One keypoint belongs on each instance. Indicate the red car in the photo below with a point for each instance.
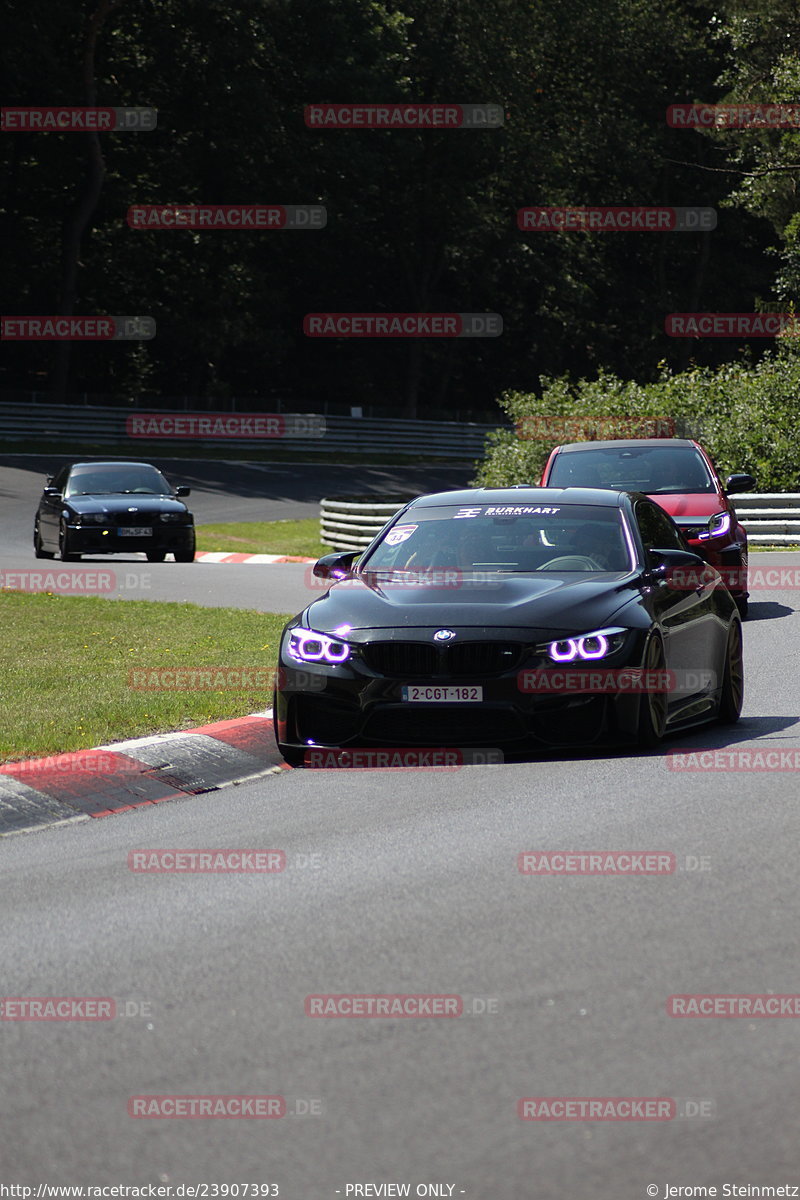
(679, 475)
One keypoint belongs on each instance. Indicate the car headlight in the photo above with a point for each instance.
(588, 646)
(306, 645)
(178, 518)
(719, 524)
(90, 519)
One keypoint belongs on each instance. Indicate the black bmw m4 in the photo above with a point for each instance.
(517, 617)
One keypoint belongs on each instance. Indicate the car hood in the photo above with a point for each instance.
(685, 506)
(112, 502)
(542, 601)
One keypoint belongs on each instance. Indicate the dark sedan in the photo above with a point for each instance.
(522, 617)
(112, 508)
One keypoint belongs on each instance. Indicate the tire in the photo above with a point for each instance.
(732, 693)
(156, 555)
(38, 549)
(64, 552)
(652, 705)
(188, 554)
(292, 755)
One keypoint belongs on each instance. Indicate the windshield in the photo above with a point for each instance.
(650, 469)
(513, 537)
(117, 478)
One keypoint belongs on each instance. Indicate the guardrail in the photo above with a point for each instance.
(772, 518)
(309, 432)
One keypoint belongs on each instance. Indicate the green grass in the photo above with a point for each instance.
(763, 547)
(264, 537)
(65, 663)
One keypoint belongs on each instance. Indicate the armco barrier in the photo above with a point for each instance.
(350, 523)
(772, 518)
(32, 424)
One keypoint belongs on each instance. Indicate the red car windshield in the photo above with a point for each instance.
(653, 470)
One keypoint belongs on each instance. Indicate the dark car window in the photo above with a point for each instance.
(649, 469)
(60, 479)
(657, 530)
(518, 536)
(95, 479)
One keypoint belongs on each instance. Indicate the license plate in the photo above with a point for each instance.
(136, 531)
(420, 693)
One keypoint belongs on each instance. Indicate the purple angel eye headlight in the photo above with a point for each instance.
(308, 646)
(595, 646)
(588, 646)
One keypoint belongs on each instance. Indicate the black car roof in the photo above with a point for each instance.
(118, 463)
(576, 447)
(600, 497)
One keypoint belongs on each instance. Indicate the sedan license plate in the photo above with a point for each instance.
(136, 531)
(426, 694)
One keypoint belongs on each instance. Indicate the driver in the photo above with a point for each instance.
(601, 543)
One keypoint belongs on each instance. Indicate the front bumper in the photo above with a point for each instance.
(351, 705)
(98, 539)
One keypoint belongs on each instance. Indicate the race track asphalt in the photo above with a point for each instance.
(407, 882)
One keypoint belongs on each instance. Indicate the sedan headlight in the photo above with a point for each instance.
(306, 645)
(588, 646)
(90, 519)
(719, 524)
(176, 518)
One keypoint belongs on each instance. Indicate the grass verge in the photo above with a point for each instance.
(66, 664)
(263, 537)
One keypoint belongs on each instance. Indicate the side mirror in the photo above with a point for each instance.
(662, 561)
(183, 490)
(739, 483)
(51, 491)
(335, 566)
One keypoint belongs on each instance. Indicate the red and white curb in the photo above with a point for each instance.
(64, 788)
(216, 556)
